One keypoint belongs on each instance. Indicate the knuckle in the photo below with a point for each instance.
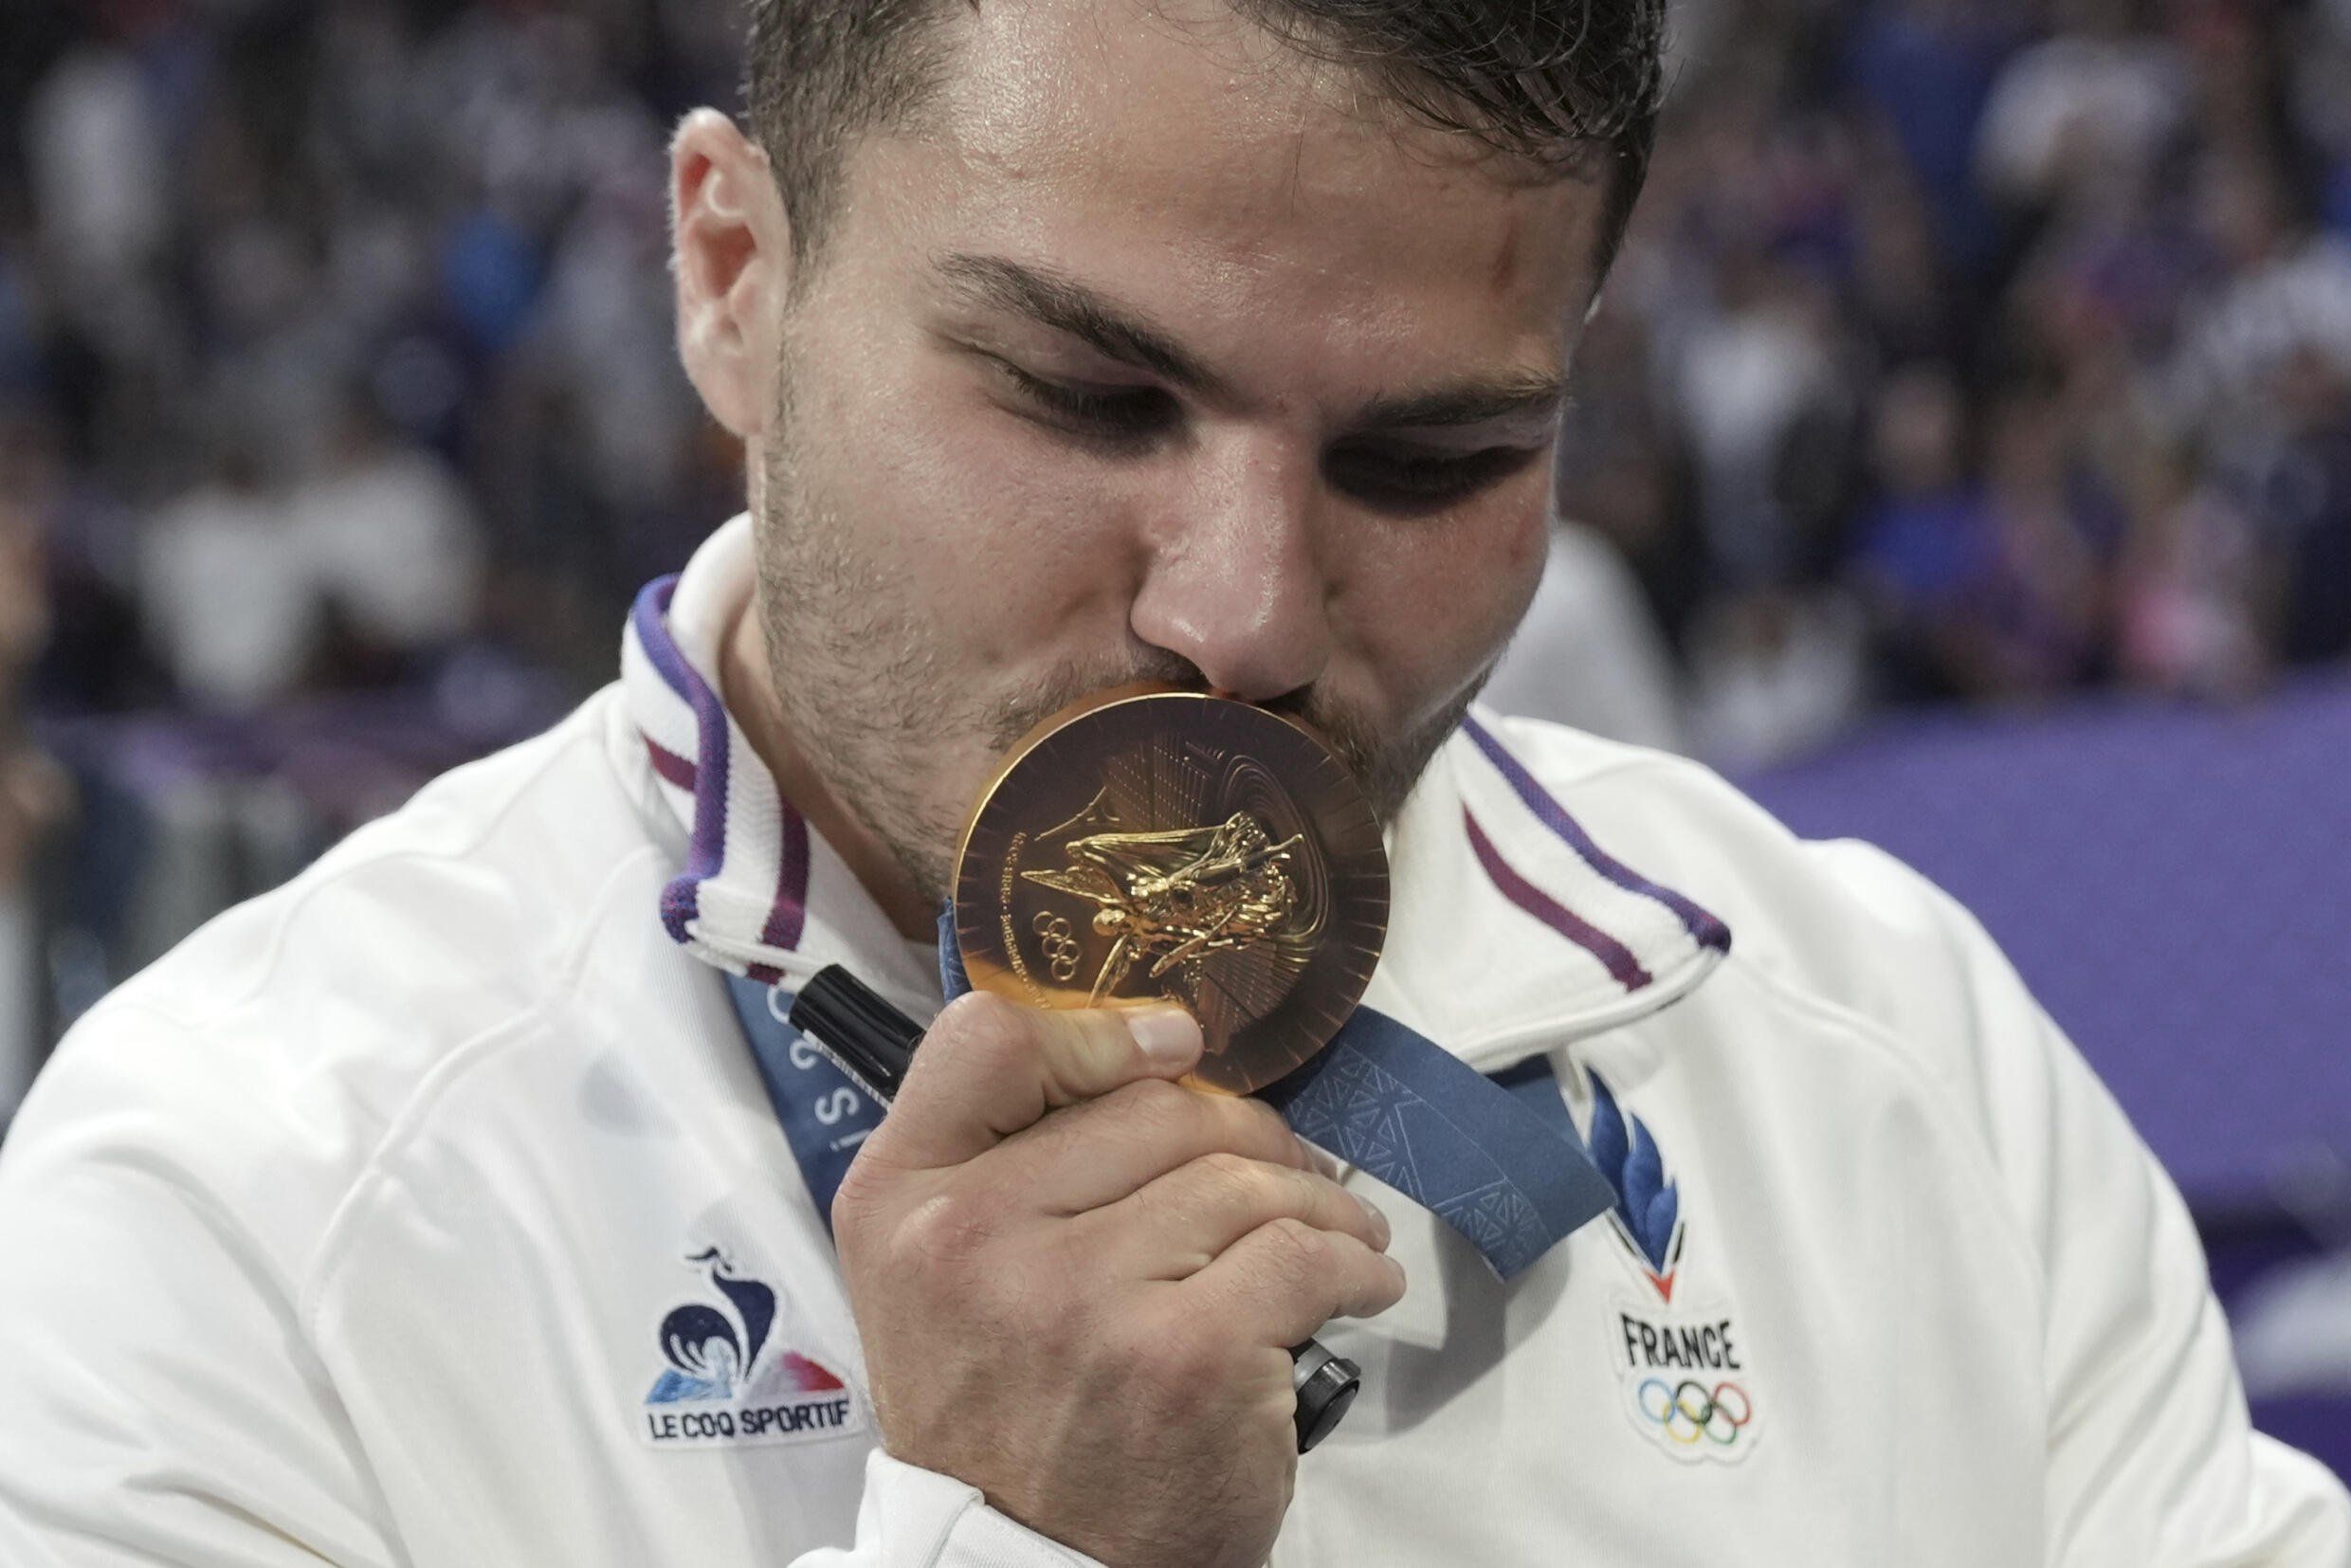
(950, 1226)
(1297, 1253)
(984, 1025)
(1259, 1128)
(1331, 1206)
(857, 1198)
(1188, 1353)
(1056, 1314)
(1157, 1112)
(1227, 1174)
(1223, 1182)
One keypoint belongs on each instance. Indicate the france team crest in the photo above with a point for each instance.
(729, 1380)
(1683, 1365)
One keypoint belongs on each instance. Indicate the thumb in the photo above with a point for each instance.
(990, 1067)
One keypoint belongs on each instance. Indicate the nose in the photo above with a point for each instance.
(1234, 584)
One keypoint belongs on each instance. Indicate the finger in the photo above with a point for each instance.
(1186, 1219)
(988, 1067)
(1285, 1280)
(1102, 1150)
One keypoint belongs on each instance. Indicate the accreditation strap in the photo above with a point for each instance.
(825, 1115)
(1498, 1161)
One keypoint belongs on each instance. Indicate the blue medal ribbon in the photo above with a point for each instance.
(1496, 1158)
(1512, 1178)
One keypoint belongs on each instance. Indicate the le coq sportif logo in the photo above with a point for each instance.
(730, 1379)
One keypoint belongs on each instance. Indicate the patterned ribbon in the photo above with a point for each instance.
(1478, 1155)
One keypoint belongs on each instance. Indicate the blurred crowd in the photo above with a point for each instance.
(1981, 351)
(332, 333)
(1963, 350)
(339, 420)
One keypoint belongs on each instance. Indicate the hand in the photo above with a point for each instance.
(1076, 1280)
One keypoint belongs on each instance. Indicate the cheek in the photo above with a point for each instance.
(1015, 552)
(1434, 605)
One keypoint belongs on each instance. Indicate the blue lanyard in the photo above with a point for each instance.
(825, 1115)
(1496, 1158)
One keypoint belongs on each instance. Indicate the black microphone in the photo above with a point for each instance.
(874, 1043)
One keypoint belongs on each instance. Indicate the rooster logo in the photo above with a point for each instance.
(1648, 1215)
(714, 1352)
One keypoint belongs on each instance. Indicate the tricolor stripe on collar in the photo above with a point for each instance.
(742, 903)
(1699, 927)
(1485, 847)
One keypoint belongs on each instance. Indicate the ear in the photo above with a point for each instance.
(731, 253)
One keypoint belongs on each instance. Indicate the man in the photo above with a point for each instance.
(433, 1209)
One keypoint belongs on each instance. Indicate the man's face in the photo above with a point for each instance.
(1154, 351)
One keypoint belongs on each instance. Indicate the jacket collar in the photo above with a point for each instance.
(759, 894)
(1510, 931)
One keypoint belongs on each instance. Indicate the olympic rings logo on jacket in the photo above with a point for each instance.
(1689, 1410)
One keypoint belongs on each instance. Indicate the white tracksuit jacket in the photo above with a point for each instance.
(355, 1231)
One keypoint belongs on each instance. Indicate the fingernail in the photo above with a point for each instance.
(1324, 1163)
(1167, 1035)
(1379, 1220)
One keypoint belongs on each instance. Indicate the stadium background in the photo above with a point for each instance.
(1961, 459)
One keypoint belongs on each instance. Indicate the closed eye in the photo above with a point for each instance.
(1409, 479)
(1128, 417)
(1390, 473)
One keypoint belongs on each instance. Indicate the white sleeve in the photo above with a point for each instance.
(2152, 1462)
(159, 1403)
(914, 1518)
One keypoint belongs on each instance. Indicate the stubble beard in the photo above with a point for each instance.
(863, 685)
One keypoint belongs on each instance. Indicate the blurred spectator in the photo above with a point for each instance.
(2080, 120)
(1924, 68)
(1774, 674)
(2286, 294)
(225, 592)
(36, 798)
(1984, 589)
(2190, 589)
(1588, 653)
(1751, 374)
(1928, 543)
(95, 151)
(387, 537)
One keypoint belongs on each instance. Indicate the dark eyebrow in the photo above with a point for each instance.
(1066, 305)
(1474, 403)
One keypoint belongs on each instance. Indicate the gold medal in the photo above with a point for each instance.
(1154, 844)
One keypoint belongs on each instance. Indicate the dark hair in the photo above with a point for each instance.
(1554, 82)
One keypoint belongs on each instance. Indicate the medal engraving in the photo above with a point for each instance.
(1180, 847)
(1178, 897)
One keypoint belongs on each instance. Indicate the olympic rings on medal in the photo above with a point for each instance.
(1687, 1411)
(1062, 951)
